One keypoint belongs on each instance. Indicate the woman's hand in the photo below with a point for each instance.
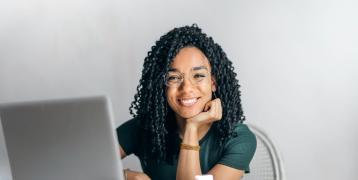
(212, 112)
(132, 175)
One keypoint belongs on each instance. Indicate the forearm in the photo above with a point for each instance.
(130, 174)
(189, 160)
(134, 175)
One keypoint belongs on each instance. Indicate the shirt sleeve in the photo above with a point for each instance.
(128, 136)
(239, 151)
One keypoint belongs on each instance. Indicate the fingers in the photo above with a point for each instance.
(217, 109)
(212, 112)
(220, 110)
(207, 106)
(214, 109)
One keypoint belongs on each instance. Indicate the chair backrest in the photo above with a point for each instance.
(266, 163)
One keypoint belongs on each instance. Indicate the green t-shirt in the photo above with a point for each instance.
(237, 152)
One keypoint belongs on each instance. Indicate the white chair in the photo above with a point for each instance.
(266, 163)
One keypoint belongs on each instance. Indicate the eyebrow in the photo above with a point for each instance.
(194, 68)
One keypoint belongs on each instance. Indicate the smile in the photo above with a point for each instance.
(188, 101)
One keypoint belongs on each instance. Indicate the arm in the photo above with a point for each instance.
(220, 171)
(237, 155)
(127, 137)
(132, 175)
(189, 160)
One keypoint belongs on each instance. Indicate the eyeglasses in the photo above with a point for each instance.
(196, 76)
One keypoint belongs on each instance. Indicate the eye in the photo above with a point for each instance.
(199, 76)
(173, 78)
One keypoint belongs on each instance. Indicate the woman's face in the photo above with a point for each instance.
(189, 83)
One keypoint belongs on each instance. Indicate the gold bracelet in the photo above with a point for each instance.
(189, 147)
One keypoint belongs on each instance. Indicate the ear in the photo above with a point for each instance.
(213, 83)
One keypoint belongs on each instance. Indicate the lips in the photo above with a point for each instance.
(188, 101)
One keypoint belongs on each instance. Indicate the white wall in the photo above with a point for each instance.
(297, 63)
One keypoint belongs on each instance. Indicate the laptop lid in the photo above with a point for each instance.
(70, 139)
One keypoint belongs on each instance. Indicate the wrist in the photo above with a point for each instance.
(190, 135)
(192, 127)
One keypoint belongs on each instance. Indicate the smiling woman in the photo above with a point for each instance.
(187, 114)
(190, 85)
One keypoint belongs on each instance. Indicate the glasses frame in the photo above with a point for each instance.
(182, 77)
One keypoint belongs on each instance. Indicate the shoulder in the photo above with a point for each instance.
(242, 130)
(132, 123)
(243, 136)
(239, 150)
(129, 128)
(128, 135)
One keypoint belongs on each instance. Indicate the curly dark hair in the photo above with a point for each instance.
(150, 102)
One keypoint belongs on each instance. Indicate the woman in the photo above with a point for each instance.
(187, 114)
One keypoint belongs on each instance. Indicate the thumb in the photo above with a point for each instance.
(207, 106)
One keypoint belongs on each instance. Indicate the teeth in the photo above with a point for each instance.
(188, 102)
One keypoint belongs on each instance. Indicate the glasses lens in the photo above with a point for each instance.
(199, 76)
(173, 79)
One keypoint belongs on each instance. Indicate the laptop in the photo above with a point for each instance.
(67, 139)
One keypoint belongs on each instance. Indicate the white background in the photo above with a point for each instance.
(297, 63)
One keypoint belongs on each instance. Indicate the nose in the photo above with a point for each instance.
(186, 85)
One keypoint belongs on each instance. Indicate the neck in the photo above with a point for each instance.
(202, 130)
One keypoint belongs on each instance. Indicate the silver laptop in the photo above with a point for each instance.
(70, 139)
